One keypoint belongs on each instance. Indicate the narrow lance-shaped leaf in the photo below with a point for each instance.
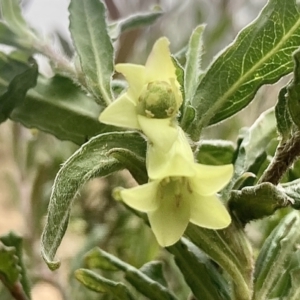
(152, 289)
(97, 283)
(90, 161)
(8, 37)
(199, 272)
(89, 32)
(15, 80)
(276, 250)
(261, 54)
(12, 15)
(133, 21)
(193, 63)
(214, 244)
(57, 106)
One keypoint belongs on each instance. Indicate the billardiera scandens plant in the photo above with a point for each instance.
(179, 191)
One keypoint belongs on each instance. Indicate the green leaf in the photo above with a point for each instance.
(7, 37)
(9, 268)
(215, 152)
(193, 63)
(199, 272)
(15, 241)
(152, 289)
(293, 92)
(15, 80)
(287, 286)
(135, 164)
(292, 189)
(253, 145)
(12, 15)
(154, 270)
(133, 22)
(57, 106)
(256, 202)
(261, 54)
(283, 117)
(295, 282)
(275, 252)
(92, 42)
(88, 162)
(97, 283)
(188, 117)
(218, 245)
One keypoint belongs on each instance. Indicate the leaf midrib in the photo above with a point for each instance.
(105, 96)
(242, 79)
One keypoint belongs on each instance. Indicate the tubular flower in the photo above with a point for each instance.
(178, 161)
(152, 99)
(171, 203)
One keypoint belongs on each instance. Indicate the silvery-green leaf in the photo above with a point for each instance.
(93, 45)
(90, 161)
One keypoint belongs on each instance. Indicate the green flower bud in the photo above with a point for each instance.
(157, 100)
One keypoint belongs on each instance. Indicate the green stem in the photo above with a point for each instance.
(219, 251)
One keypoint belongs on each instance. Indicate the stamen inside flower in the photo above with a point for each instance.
(157, 100)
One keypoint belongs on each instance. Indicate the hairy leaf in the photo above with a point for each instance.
(7, 37)
(57, 106)
(133, 22)
(90, 161)
(12, 15)
(256, 202)
(97, 283)
(274, 254)
(199, 272)
(260, 54)
(193, 63)
(218, 245)
(152, 289)
(16, 79)
(215, 152)
(92, 42)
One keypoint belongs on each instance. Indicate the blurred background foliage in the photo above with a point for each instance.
(30, 159)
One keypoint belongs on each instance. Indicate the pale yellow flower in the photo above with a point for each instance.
(171, 203)
(152, 99)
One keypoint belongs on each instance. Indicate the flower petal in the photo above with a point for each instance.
(211, 179)
(135, 76)
(209, 212)
(121, 112)
(162, 164)
(170, 220)
(142, 197)
(178, 161)
(159, 65)
(160, 132)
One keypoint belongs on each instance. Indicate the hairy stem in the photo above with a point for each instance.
(286, 154)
